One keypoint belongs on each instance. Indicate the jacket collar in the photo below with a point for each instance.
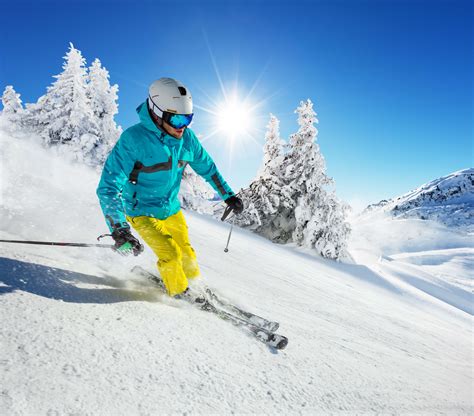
(147, 122)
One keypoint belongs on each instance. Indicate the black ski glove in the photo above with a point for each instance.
(235, 204)
(125, 242)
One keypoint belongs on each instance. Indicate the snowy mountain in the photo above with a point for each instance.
(81, 335)
(448, 200)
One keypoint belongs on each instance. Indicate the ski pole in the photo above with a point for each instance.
(55, 243)
(228, 238)
(227, 211)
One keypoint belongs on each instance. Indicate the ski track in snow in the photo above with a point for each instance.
(81, 336)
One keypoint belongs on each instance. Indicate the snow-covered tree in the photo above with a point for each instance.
(64, 114)
(266, 209)
(33, 119)
(12, 106)
(273, 148)
(319, 216)
(103, 101)
(195, 193)
(289, 201)
(76, 115)
(265, 199)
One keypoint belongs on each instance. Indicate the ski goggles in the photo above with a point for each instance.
(177, 121)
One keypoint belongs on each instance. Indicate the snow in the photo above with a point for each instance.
(391, 334)
(448, 200)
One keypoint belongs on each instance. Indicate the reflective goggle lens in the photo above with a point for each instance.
(179, 121)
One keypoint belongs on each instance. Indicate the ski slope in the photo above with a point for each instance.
(81, 335)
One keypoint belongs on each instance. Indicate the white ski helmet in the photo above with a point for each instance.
(168, 95)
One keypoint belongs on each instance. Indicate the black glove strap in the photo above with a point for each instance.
(102, 236)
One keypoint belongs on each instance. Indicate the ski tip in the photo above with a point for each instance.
(282, 344)
(278, 342)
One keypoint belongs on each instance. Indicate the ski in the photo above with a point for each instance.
(212, 297)
(263, 334)
(157, 280)
(269, 338)
(249, 316)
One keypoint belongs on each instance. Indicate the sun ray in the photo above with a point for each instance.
(207, 110)
(235, 117)
(211, 100)
(257, 81)
(264, 100)
(254, 140)
(208, 136)
(216, 69)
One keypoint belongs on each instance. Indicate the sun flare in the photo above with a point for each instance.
(234, 117)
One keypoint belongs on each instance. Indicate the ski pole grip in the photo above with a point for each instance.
(227, 211)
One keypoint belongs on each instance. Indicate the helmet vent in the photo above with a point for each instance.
(182, 90)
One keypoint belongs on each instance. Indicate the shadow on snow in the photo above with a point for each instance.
(59, 284)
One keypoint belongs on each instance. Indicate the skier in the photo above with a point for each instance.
(141, 180)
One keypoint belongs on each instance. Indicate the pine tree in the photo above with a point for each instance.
(273, 148)
(76, 114)
(33, 119)
(265, 200)
(319, 217)
(103, 101)
(12, 107)
(64, 115)
(195, 193)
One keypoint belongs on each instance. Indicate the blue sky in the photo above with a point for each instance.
(391, 81)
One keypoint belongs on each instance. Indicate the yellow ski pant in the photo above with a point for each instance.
(169, 240)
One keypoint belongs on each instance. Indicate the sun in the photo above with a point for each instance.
(234, 117)
(233, 121)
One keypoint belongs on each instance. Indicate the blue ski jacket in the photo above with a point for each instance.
(142, 173)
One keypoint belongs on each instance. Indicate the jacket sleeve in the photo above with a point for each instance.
(204, 166)
(117, 167)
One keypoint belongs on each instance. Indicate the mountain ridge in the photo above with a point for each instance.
(448, 200)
